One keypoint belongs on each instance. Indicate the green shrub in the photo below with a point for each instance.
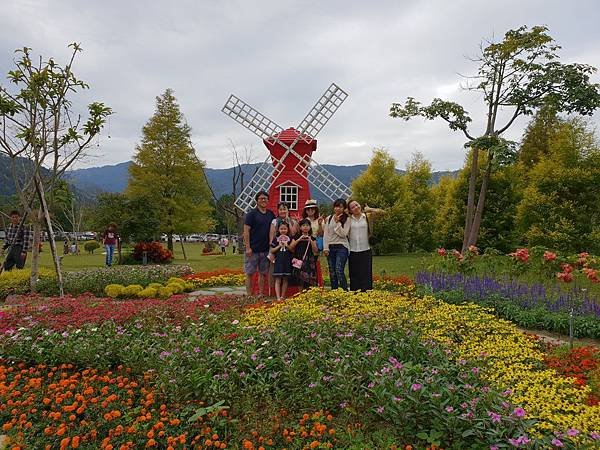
(114, 290)
(165, 292)
(90, 246)
(147, 293)
(132, 290)
(155, 285)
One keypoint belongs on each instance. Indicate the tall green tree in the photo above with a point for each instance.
(560, 208)
(420, 200)
(381, 186)
(516, 76)
(166, 170)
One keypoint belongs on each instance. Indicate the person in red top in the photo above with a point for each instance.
(110, 239)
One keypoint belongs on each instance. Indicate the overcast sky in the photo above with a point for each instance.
(280, 56)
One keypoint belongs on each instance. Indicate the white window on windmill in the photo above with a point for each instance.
(288, 193)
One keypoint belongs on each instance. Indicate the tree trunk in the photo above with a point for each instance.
(471, 198)
(40, 190)
(35, 251)
(183, 250)
(474, 234)
(170, 242)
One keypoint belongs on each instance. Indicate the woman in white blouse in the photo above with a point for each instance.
(360, 259)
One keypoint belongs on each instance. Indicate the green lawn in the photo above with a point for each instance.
(390, 265)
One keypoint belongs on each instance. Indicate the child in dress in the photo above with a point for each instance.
(280, 249)
(305, 248)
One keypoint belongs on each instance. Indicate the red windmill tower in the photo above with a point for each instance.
(289, 170)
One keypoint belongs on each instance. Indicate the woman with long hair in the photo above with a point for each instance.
(335, 243)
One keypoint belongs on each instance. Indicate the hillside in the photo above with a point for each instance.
(113, 178)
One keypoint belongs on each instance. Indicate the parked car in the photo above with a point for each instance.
(213, 237)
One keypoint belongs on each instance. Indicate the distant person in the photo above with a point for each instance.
(110, 239)
(74, 250)
(256, 241)
(18, 241)
(234, 244)
(223, 243)
(66, 248)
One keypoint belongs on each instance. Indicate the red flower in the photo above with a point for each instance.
(549, 256)
(567, 277)
(566, 268)
(457, 255)
(441, 251)
(521, 254)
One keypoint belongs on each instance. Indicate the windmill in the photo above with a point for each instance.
(288, 170)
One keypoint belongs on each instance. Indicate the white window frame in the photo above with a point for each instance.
(288, 194)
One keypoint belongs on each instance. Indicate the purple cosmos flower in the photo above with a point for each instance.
(494, 416)
(557, 443)
(416, 386)
(571, 432)
(519, 412)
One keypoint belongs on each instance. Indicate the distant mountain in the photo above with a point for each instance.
(114, 178)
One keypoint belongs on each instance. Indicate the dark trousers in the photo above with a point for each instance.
(360, 269)
(15, 258)
(338, 255)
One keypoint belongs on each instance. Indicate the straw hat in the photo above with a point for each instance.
(310, 203)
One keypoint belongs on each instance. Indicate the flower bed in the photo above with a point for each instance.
(95, 280)
(533, 306)
(400, 368)
(222, 277)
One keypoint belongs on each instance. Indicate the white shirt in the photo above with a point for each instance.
(359, 234)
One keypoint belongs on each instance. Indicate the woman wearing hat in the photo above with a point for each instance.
(311, 212)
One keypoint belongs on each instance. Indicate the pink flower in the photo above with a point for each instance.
(549, 256)
(519, 412)
(494, 416)
(566, 268)
(557, 443)
(441, 251)
(572, 432)
(416, 386)
(566, 277)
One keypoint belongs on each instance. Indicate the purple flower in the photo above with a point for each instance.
(260, 366)
(495, 417)
(371, 385)
(196, 349)
(557, 443)
(493, 447)
(164, 354)
(343, 405)
(312, 385)
(397, 399)
(572, 432)
(475, 370)
(253, 357)
(595, 436)
(380, 409)
(521, 440)
(416, 386)
(395, 363)
(449, 409)
(519, 412)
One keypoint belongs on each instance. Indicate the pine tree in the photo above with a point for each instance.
(167, 174)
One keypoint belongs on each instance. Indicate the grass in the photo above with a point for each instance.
(388, 265)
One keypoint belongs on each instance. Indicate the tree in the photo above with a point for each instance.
(519, 74)
(418, 177)
(165, 170)
(381, 186)
(560, 208)
(38, 123)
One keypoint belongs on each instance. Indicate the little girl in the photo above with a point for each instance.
(305, 247)
(280, 249)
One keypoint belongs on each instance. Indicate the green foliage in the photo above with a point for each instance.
(95, 280)
(420, 202)
(90, 246)
(560, 208)
(166, 171)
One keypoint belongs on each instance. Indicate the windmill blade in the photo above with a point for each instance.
(261, 181)
(320, 114)
(322, 179)
(251, 119)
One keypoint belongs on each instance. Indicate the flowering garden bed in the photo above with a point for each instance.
(321, 370)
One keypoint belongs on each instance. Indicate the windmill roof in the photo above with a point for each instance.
(288, 136)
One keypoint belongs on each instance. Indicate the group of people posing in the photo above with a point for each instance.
(281, 250)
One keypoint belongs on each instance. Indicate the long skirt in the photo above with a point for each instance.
(360, 269)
